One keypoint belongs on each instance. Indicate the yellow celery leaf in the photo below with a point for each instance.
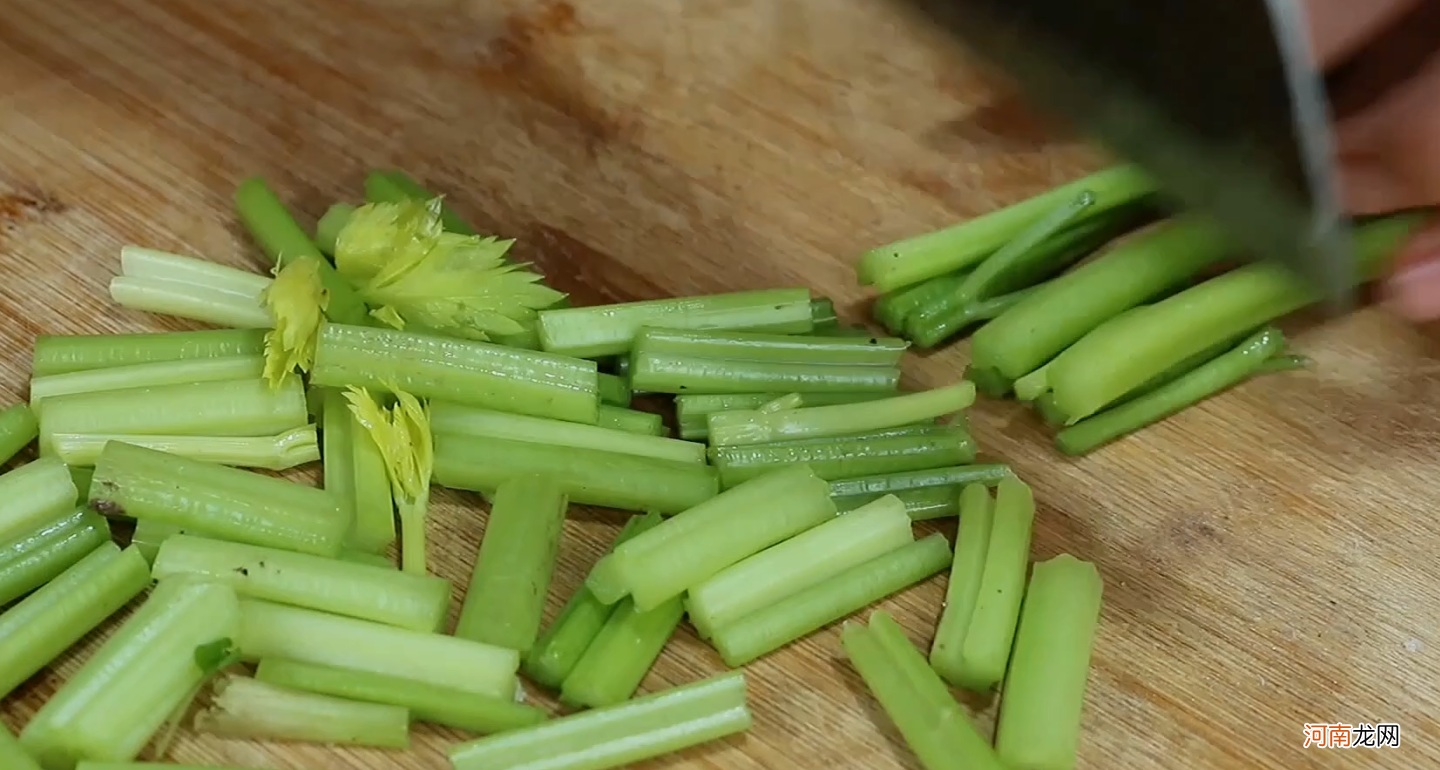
(402, 432)
(297, 300)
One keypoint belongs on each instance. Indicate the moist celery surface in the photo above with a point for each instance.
(277, 453)
(63, 354)
(181, 372)
(754, 427)
(972, 544)
(217, 501)
(245, 708)
(33, 495)
(18, 427)
(950, 477)
(512, 572)
(631, 421)
(39, 556)
(692, 412)
(704, 361)
(383, 595)
(614, 390)
(355, 473)
(848, 456)
(187, 287)
(622, 734)
(461, 420)
(621, 654)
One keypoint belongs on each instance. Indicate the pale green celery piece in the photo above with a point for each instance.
(691, 547)
(245, 708)
(614, 390)
(446, 417)
(724, 345)
(425, 702)
(338, 429)
(1044, 693)
(605, 330)
(463, 371)
(380, 594)
(18, 427)
(797, 615)
(187, 287)
(277, 453)
(588, 476)
(952, 477)
(921, 504)
(631, 421)
(752, 427)
(692, 411)
(328, 228)
(787, 401)
(37, 630)
(991, 631)
(247, 407)
(146, 375)
(511, 578)
(557, 651)
(109, 710)
(661, 373)
(622, 734)
(66, 353)
(34, 494)
(216, 501)
(279, 631)
(149, 535)
(848, 456)
(916, 259)
(39, 556)
(809, 558)
(972, 545)
(621, 654)
(355, 472)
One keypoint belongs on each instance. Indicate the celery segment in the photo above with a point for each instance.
(921, 503)
(170, 284)
(614, 390)
(754, 427)
(446, 417)
(66, 353)
(282, 451)
(620, 655)
(146, 375)
(245, 708)
(707, 361)
(355, 473)
(36, 557)
(692, 412)
(34, 494)
(328, 227)
(18, 427)
(848, 456)
(630, 420)
(953, 477)
(967, 571)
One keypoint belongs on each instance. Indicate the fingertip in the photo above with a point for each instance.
(1413, 289)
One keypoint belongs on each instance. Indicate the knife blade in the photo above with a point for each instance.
(1217, 99)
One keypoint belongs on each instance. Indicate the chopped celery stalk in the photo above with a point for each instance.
(464, 371)
(605, 330)
(588, 476)
(1027, 245)
(187, 287)
(396, 187)
(474, 422)
(822, 312)
(967, 570)
(149, 535)
(308, 636)
(631, 421)
(1206, 380)
(1039, 723)
(276, 453)
(37, 630)
(1066, 308)
(18, 427)
(425, 702)
(660, 373)
(401, 434)
(355, 473)
(328, 227)
(621, 654)
(180, 372)
(787, 401)
(36, 557)
(715, 344)
(13, 756)
(1163, 334)
(216, 500)
(921, 504)
(931, 722)
(34, 494)
(557, 651)
(110, 708)
(692, 412)
(248, 407)
(894, 309)
(506, 598)
(379, 594)
(807, 559)
(282, 240)
(622, 734)
(985, 650)
(913, 260)
(779, 624)
(614, 390)
(751, 427)
(845, 457)
(1045, 407)
(955, 477)
(245, 708)
(63, 354)
(690, 548)
(81, 477)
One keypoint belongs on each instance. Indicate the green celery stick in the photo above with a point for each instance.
(380, 594)
(787, 401)
(807, 559)
(288, 449)
(18, 427)
(1027, 246)
(693, 546)
(753, 427)
(961, 246)
(606, 330)
(991, 630)
(621, 654)
(822, 313)
(34, 494)
(328, 227)
(447, 417)
(622, 734)
(425, 702)
(779, 624)
(848, 456)
(972, 545)
(216, 501)
(692, 412)
(13, 756)
(894, 309)
(63, 354)
(557, 651)
(614, 390)
(1039, 723)
(921, 504)
(245, 708)
(355, 473)
(954, 477)
(170, 284)
(588, 476)
(37, 630)
(147, 375)
(511, 578)
(463, 371)
(712, 361)
(40, 555)
(307, 636)
(396, 186)
(109, 710)
(631, 421)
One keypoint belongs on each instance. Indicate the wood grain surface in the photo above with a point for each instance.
(1269, 557)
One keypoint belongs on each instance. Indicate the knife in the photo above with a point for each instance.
(1218, 100)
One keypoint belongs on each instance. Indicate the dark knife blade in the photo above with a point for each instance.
(1217, 99)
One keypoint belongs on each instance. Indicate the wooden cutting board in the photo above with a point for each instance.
(1270, 556)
